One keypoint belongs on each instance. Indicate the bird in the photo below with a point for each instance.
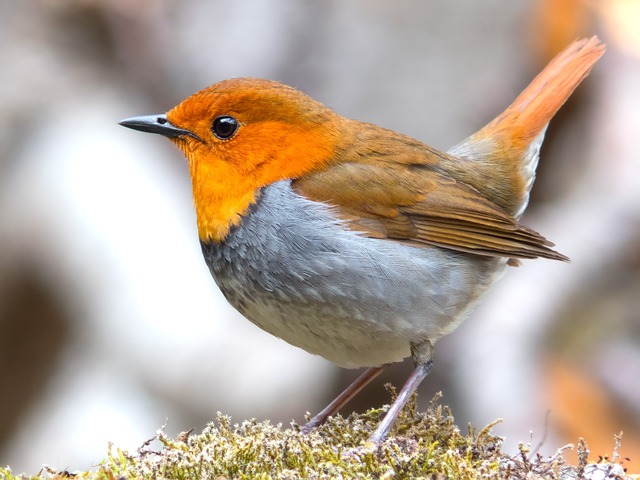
(355, 242)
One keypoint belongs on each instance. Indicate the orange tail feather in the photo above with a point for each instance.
(505, 151)
(528, 115)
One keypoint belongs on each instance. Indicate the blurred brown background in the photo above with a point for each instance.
(109, 321)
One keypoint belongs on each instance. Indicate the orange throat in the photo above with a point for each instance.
(220, 199)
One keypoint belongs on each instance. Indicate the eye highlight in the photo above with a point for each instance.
(224, 127)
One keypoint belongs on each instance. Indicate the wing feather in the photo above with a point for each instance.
(424, 207)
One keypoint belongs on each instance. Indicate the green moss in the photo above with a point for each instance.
(423, 445)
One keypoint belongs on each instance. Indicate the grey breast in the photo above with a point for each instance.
(298, 272)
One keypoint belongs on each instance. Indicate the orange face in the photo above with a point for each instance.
(244, 135)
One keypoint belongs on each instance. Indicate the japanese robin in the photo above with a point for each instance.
(351, 241)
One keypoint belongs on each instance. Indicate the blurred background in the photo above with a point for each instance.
(109, 321)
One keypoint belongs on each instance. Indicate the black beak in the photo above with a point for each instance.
(156, 124)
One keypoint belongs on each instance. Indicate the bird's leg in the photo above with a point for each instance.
(422, 354)
(341, 400)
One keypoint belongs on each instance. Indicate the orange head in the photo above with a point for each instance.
(243, 134)
(240, 135)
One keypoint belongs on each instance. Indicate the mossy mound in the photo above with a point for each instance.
(422, 445)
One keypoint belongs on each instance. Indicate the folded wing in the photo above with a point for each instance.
(421, 205)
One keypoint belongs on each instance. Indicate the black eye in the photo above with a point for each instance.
(224, 127)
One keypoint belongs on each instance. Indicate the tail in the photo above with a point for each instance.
(509, 145)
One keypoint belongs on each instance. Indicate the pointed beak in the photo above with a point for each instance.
(156, 124)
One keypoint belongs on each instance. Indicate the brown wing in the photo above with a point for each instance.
(419, 204)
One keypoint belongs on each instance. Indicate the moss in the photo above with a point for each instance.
(423, 445)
